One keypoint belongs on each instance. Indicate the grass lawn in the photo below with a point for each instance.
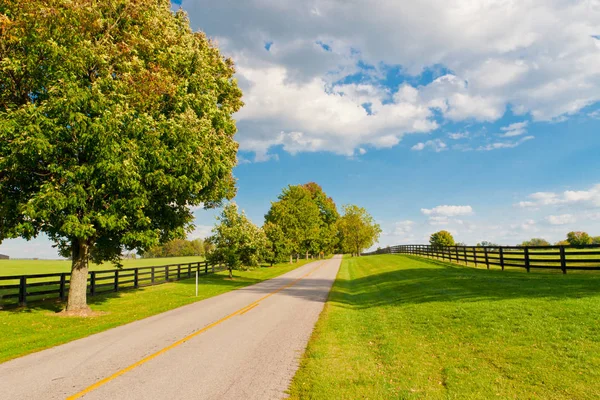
(26, 330)
(28, 267)
(404, 327)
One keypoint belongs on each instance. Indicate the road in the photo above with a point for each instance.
(244, 344)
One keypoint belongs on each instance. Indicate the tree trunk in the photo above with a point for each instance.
(230, 273)
(291, 258)
(77, 301)
(307, 254)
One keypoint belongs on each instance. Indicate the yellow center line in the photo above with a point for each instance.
(241, 311)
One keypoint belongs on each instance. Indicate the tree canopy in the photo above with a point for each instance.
(536, 242)
(441, 238)
(358, 229)
(578, 238)
(115, 117)
(237, 241)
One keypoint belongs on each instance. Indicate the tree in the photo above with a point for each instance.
(358, 229)
(298, 220)
(441, 238)
(238, 242)
(536, 242)
(115, 118)
(329, 215)
(485, 243)
(596, 240)
(578, 238)
(562, 243)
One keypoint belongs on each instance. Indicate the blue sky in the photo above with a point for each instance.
(482, 119)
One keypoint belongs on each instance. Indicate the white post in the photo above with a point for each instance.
(196, 283)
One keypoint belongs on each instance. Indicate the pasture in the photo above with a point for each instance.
(406, 327)
(28, 267)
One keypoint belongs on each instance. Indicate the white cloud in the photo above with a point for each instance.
(200, 232)
(504, 145)
(458, 135)
(402, 228)
(436, 145)
(516, 129)
(563, 219)
(537, 57)
(589, 198)
(447, 211)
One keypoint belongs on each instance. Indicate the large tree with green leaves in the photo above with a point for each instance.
(238, 242)
(297, 222)
(441, 238)
(358, 229)
(115, 118)
(579, 238)
(328, 213)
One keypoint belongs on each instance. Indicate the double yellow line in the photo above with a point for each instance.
(241, 311)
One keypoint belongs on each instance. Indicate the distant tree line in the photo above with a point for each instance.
(179, 248)
(575, 238)
(302, 222)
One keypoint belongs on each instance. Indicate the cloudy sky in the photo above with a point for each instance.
(477, 116)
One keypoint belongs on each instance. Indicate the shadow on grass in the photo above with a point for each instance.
(435, 281)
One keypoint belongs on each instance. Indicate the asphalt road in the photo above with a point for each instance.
(244, 344)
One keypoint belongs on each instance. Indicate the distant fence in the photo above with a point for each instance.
(18, 290)
(543, 257)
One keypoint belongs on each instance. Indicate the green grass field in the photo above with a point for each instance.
(405, 327)
(37, 327)
(28, 267)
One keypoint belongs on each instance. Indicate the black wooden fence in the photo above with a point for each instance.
(21, 289)
(544, 257)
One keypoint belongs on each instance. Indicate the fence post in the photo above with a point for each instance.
(456, 251)
(166, 273)
(178, 271)
(527, 258)
(116, 280)
(135, 278)
(465, 254)
(61, 290)
(475, 257)
(152, 276)
(501, 249)
(23, 291)
(563, 260)
(487, 260)
(92, 283)
(189, 270)
(206, 268)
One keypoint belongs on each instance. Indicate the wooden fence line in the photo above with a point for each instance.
(99, 282)
(541, 257)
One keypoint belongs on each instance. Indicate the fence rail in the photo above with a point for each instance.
(562, 258)
(18, 290)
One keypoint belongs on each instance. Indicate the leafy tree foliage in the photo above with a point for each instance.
(293, 223)
(238, 242)
(358, 229)
(562, 243)
(536, 242)
(441, 238)
(177, 248)
(115, 117)
(327, 239)
(578, 238)
(596, 240)
(485, 243)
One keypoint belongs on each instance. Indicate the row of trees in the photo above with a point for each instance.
(576, 238)
(303, 221)
(179, 248)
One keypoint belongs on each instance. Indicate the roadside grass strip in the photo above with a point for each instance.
(402, 327)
